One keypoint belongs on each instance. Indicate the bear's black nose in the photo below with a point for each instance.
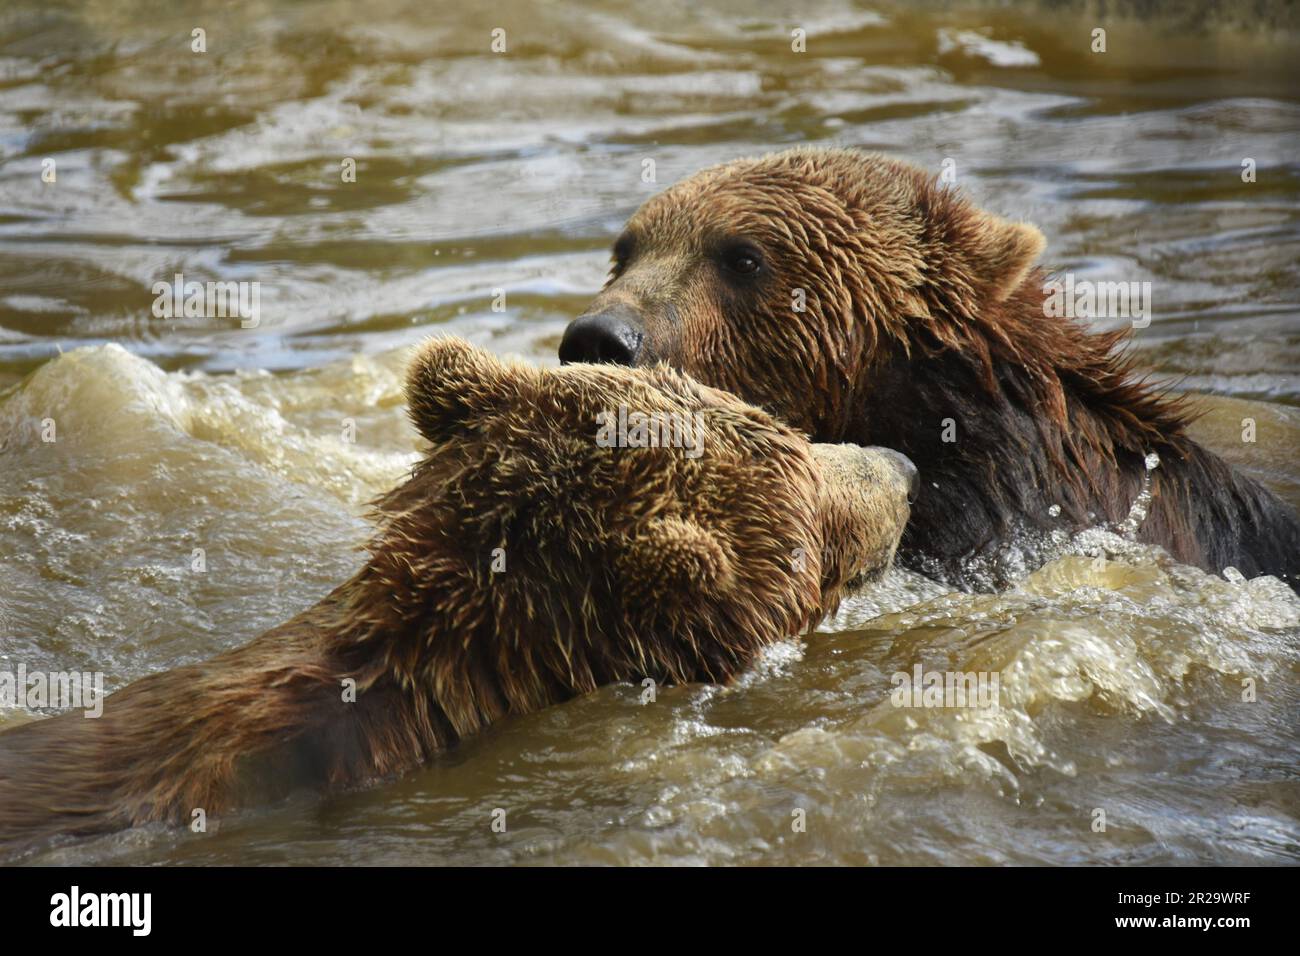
(610, 336)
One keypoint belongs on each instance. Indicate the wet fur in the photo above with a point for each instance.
(621, 565)
(921, 307)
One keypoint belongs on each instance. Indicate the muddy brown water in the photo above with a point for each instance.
(1124, 687)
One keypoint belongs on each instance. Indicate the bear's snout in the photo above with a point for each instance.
(612, 335)
(904, 467)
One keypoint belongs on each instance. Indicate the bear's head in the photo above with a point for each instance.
(798, 279)
(590, 524)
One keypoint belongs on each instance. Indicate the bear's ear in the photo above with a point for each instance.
(665, 558)
(1002, 252)
(997, 254)
(450, 383)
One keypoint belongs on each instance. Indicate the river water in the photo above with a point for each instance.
(1153, 697)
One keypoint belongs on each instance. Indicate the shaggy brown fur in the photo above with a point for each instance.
(919, 307)
(621, 564)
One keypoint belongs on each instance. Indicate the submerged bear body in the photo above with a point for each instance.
(522, 563)
(860, 301)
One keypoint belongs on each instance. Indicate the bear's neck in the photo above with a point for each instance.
(1038, 427)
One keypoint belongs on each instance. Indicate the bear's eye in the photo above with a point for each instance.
(741, 259)
(622, 252)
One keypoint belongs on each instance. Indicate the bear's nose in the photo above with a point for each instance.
(903, 465)
(611, 336)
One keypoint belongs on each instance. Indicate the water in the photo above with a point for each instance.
(1122, 675)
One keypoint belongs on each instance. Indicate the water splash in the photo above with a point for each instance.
(1128, 528)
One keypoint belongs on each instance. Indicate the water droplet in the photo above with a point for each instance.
(1128, 528)
(1054, 511)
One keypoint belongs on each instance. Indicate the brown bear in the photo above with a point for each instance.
(568, 528)
(855, 298)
